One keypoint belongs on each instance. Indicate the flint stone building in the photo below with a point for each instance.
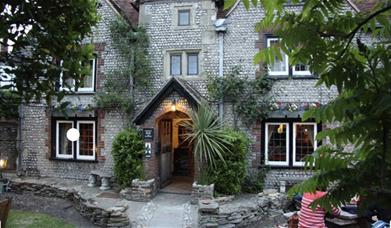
(189, 41)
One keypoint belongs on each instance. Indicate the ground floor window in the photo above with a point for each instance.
(288, 141)
(82, 149)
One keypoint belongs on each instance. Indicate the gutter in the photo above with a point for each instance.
(220, 28)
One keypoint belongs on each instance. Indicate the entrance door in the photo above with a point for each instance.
(165, 134)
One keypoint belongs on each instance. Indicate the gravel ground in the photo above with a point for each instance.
(53, 206)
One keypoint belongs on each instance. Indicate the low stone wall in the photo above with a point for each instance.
(114, 216)
(201, 192)
(141, 191)
(241, 213)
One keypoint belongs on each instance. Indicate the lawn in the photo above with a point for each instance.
(23, 219)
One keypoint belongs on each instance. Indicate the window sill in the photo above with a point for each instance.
(285, 167)
(73, 160)
(290, 77)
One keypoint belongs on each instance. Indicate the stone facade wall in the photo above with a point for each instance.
(8, 142)
(37, 132)
(158, 17)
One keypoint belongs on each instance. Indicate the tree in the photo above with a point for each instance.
(332, 40)
(46, 41)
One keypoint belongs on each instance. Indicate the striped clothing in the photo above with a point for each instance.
(309, 218)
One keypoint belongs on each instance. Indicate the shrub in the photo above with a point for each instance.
(255, 183)
(228, 175)
(209, 139)
(128, 150)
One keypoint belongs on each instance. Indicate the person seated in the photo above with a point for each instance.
(309, 218)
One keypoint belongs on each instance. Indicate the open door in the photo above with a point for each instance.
(165, 136)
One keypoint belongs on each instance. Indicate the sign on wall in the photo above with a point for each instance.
(148, 133)
(148, 150)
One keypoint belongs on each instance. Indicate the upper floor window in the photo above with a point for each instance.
(192, 63)
(87, 83)
(184, 63)
(282, 67)
(183, 17)
(286, 147)
(175, 64)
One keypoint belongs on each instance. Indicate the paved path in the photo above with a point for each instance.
(168, 211)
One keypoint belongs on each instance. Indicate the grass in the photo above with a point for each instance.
(27, 219)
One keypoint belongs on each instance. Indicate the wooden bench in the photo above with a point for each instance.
(104, 179)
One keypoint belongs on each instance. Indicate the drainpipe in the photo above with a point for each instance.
(221, 29)
(19, 167)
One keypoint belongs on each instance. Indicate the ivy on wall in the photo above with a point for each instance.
(132, 44)
(250, 98)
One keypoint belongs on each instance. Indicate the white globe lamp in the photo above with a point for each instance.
(73, 134)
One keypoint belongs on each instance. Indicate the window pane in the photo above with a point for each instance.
(88, 81)
(64, 145)
(68, 83)
(305, 139)
(175, 64)
(86, 141)
(184, 17)
(276, 142)
(192, 64)
(278, 65)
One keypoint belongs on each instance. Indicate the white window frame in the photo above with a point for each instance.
(80, 89)
(58, 155)
(299, 72)
(282, 73)
(300, 163)
(86, 157)
(184, 55)
(276, 163)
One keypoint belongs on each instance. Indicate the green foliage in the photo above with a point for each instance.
(9, 101)
(254, 183)
(48, 31)
(228, 174)
(210, 141)
(128, 151)
(249, 97)
(331, 40)
(17, 218)
(132, 44)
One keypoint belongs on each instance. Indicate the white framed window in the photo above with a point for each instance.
(184, 17)
(304, 141)
(87, 84)
(277, 144)
(64, 147)
(301, 69)
(279, 67)
(85, 146)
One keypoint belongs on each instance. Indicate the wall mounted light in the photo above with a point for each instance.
(3, 163)
(280, 129)
(73, 134)
(173, 105)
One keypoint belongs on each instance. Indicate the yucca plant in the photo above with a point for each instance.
(206, 133)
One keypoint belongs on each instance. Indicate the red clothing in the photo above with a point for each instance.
(309, 218)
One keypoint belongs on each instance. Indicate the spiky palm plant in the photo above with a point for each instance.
(206, 133)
